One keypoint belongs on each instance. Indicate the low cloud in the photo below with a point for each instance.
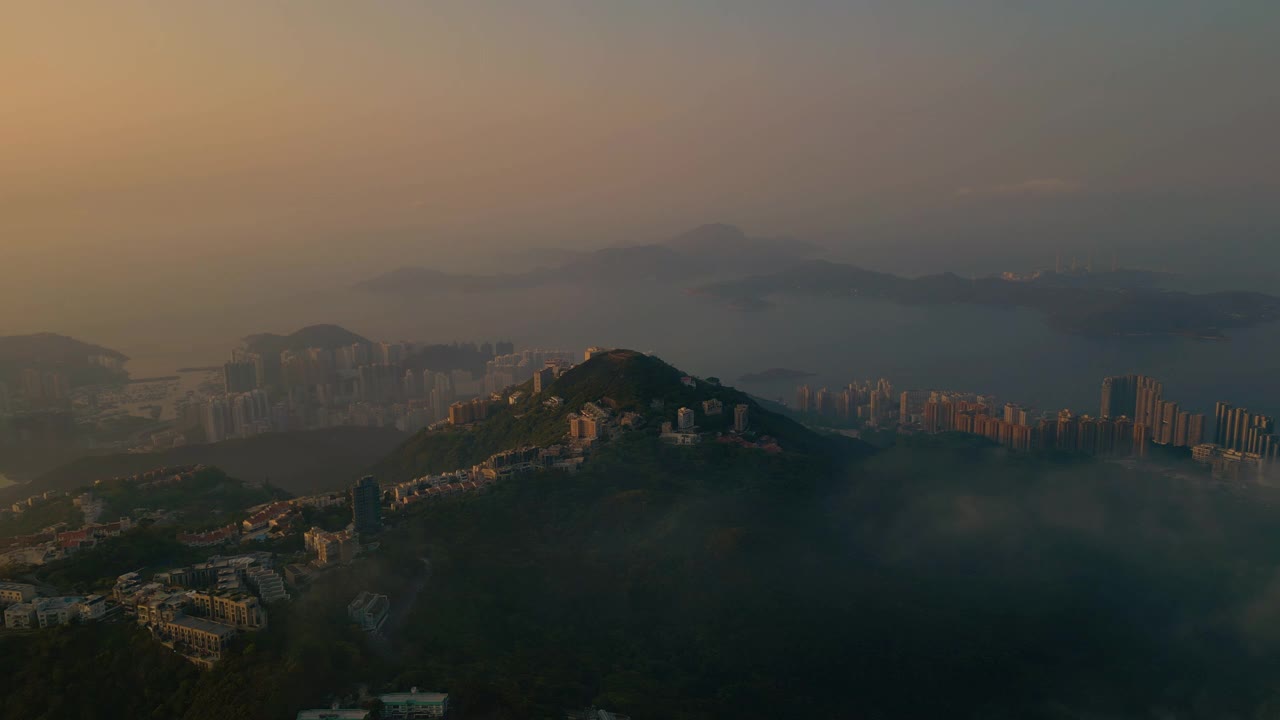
(1042, 187)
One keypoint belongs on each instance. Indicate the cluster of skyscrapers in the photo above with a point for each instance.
(370, 384)
(1155, 419)
(1134, 416)
(864, 401)
(1238, 429)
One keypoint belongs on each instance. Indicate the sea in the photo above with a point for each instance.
(1007, 352)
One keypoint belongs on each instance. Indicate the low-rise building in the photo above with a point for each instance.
(331, 548)
(93, 607)
(198, 634)
(414, 705)
(369, 611)
(242, 611)
(20, 616)
(680, 438)
(55, 611)
(12, 592)
(225, 534)
(265, 520)
(267, 583)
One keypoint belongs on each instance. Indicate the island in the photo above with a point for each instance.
(1105, 307)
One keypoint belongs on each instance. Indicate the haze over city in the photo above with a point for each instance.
(209, 154)
(592, 359)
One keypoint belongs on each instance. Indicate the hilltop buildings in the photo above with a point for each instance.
(331, 548)
(46, 612)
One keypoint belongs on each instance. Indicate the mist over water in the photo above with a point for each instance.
(1010, 353)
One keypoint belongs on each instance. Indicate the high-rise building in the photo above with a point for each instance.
(684, 419)
(804, 399)
(1147, 406)
(1222, 418)
(1119, 395)
(1123, 434)
(216, 420)
(1087, 435)
(823, 403)
(583, 427)
(1068, 431)
(366, 505)
(1195, 430)
(1165, 430)
(542, 379)
(740, 417)
(1015, 414)
(1141, 439)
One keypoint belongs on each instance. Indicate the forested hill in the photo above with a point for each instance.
(626, 380)
(51, 352)
(312, 336)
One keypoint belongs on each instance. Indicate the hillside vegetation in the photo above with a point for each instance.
(631, 380)
(942, 577)
(51, 352)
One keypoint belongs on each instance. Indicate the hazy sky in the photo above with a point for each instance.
(180, 145)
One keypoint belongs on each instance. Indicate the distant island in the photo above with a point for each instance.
(328, 337)
(703, 253)
(1112, 305)
(774, 375)
(80, 363)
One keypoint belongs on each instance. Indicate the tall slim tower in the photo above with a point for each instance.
(1221, 417)
(1119, 396)
(366, 505)
(1146, 412)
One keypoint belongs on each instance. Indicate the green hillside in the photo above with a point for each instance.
(941, 577)
(208, 498)
(631, 380)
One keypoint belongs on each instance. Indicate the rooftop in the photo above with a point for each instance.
(414, 698)
(204, 625)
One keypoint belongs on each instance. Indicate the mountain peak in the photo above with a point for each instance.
(324, 335)
(711, 233)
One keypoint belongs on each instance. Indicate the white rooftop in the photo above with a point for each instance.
(334, 714)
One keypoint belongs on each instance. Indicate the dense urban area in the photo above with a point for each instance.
(248, 550)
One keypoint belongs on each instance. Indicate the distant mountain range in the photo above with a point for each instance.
(1125, 304)
(708, 251)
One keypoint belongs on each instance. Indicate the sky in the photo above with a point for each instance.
(156, 151)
